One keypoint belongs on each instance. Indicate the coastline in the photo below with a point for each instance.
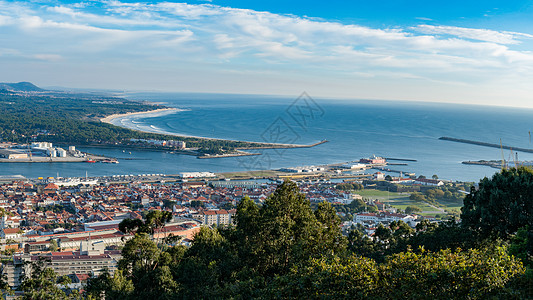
(110, 118)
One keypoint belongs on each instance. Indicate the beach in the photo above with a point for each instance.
(110, 118)
(161, 111)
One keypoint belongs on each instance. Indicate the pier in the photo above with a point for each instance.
(283, 146)
(445, 138)
(400, 159)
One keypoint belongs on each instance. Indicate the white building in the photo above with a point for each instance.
(375, 218)
(51, 152)
(196, 175)
(41, 145)
(60, 152)
(354, 166)
(178, 144)
(429, 182)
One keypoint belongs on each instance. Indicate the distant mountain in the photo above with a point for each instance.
(20, 87)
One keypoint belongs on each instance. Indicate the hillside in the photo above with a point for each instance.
(20, 87)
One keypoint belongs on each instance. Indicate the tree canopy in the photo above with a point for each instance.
(501, 205)
(284, 249)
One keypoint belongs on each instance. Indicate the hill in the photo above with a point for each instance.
(20, 87)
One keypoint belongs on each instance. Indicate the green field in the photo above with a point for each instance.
(401, 201)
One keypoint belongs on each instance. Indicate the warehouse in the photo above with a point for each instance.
(10, 154)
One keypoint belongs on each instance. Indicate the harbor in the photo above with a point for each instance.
(360, 169)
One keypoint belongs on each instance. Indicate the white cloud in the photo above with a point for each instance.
(499, 37)
(5, 20)
(48, 57)
(225, 39)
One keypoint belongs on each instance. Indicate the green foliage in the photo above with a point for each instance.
(472, 274)
(447, 274)
(5, 289)
(284, 249)
(356, 206)
(412, 209)
(349, 186)
(288, 231)
(416, 196)
(131, 225)
(502, 205)
(154, 220)
(330, 278)
(74, 118)
(42, 283)
(109, 286)
(522, 246)
(197, 203)
(53, 245)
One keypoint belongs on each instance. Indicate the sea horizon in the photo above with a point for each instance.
(354, 129)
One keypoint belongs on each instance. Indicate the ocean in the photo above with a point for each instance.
(354, 129)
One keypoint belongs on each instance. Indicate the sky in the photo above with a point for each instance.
(472, 52)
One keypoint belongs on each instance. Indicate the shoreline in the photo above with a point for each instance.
(110, 118)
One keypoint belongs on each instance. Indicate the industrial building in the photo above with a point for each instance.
(12, 154)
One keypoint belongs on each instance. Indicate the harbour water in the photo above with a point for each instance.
(354, 129)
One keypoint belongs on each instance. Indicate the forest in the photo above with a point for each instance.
(75, 119)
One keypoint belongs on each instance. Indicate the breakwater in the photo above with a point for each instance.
(445, 138)
(400, 159)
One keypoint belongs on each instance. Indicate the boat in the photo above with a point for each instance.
(110, 161)
(90, 161)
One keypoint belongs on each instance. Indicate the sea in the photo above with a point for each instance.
(354, 129)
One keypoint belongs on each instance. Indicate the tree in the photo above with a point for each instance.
(5, 289)
(288, 231)
(472, 274)
(197, 203)
(130, 225)
(522, 246)
(53, 245)
(416, 196)
(42, 282)
(107, 286)
(435, 176)
(139, 256)
(169, 203)
(412, 209)
(388, 178)
(501, 205)
(155, 220)
(446, 274)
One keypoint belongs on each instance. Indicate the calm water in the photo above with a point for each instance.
(354, 129)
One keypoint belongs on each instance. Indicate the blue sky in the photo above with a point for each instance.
(477, 52)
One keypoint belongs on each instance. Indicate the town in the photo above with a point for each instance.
(76, 226)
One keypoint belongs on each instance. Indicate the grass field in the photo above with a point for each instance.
(401, 201)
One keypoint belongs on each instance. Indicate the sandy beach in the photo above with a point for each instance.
(110, 118)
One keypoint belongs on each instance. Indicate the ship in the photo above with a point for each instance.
(110, 161)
